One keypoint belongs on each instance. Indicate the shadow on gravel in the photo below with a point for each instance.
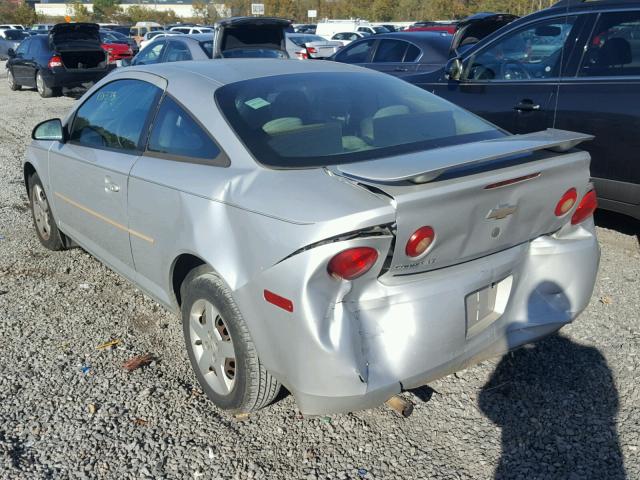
(617, 221)
(556, 403)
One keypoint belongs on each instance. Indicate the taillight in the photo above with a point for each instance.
(55, 61)
(312, 50)
(585, 209)
(302, 55)
(420, 242)
(567, 202)
(352, 263)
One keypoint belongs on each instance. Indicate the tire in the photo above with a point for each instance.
(46, 229)
(41, 86)
(12, 81)
(211, 321)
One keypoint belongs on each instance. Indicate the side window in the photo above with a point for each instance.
(614, 47)
(530, 53)
(151, 54)
(23, 47)
(177, 52)
(115, 116)
(413, 53)
(338, 36)
(390, 51)
(358, 53)
(175, 133)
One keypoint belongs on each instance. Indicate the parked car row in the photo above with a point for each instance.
(523, 75)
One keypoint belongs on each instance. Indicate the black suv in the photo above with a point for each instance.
(574, 66)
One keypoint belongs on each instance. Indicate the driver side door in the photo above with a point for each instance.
(89, 173)
(513, 81)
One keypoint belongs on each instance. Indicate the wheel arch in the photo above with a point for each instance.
(180, 268)
(28, 171)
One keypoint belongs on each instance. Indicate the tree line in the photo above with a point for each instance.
(206, 12)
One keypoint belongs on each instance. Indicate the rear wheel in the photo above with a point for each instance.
(12, 81)
(43, 89)
(46, 228)
(220, 348)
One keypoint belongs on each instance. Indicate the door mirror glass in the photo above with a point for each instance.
(11, 53)
(124, 62)
(49, 130)
(453, 70)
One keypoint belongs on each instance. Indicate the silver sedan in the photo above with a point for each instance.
(319, 226)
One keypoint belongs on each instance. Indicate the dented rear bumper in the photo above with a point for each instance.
(352, 345)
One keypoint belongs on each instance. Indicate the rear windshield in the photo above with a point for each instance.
(300, 40)
(15, 35)
(320, 119)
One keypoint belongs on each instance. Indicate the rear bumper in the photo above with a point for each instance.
(60, 77)
(379, 338)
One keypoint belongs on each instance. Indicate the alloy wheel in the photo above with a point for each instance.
(41, 212)
(212, 346)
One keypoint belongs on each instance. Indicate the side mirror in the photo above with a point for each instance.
(453, 70)
(125, 62)
(11, 53)
(49, 130)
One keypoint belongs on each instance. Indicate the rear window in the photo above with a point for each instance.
(15, 35)
(207, 47)
(320, 119)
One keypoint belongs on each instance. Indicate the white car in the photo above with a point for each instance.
(189, 30)
(11, 26)
(151, 36)
(347, 37)
(306, 46)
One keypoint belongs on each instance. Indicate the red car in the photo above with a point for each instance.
(114, 47)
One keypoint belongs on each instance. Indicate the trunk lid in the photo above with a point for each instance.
(75, 36)
(473, 212)
(323, 49)
(474, 28)
(250, 33)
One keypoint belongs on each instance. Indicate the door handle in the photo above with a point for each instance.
(110, 187)
(527, 106)
(400, 69)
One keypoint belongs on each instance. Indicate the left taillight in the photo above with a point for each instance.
(55, 61)
(312, 50)
(586, 207)
(352, 263)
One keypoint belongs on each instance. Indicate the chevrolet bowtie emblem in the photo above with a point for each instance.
(502, 212)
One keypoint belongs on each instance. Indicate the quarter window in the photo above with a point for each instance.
(532, 53)
(175, 133)
(114, 117)
(614, 47)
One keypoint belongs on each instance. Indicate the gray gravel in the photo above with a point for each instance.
(566, 408)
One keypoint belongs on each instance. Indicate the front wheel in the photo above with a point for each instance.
(220, 348)
(46, 229)
(12, 81)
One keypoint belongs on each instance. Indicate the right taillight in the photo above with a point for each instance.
(55, 61)
(585, 209)
(352, 263)
(420, 242)
(567, 202)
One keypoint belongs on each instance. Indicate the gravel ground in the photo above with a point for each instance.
(565, 408)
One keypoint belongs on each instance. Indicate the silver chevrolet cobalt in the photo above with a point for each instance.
(318, 226)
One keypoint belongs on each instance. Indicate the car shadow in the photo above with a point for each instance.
(618, 222)
(556, 403)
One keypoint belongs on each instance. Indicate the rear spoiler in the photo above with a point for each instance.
(423, 167)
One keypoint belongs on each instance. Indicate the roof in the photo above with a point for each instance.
(225, 71)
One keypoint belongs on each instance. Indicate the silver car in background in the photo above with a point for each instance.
(10, 40)
(319, 226)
